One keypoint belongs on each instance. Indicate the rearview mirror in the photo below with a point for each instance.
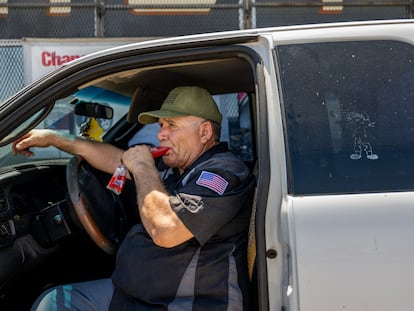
(93, 110)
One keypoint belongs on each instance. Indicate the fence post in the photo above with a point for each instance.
(100, 19)
(412, 9)
(247, 22)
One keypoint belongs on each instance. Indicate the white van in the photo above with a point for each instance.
(323, 115)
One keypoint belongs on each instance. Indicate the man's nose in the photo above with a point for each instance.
(162, 134)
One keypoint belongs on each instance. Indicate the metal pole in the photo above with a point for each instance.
(412, 9)
(247, 22)
(99, 18)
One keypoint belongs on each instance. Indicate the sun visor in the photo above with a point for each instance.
(144, 99)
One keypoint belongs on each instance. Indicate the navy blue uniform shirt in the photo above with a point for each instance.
(209, 272)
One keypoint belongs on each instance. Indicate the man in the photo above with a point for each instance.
(189, 252)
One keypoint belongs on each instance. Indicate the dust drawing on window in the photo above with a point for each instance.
(359, 123)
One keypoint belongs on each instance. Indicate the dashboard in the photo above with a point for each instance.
(33, 214)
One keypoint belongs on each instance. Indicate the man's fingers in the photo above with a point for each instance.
(22, 147)
(26, 152)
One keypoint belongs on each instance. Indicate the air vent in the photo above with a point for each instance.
(3, 202)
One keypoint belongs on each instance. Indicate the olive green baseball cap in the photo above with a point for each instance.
(184, 101)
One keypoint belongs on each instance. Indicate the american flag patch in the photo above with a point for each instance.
(212, 181)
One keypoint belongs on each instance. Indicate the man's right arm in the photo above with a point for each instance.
(102, 156)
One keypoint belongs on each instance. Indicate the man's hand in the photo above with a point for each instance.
(136, 155)
(34, 138)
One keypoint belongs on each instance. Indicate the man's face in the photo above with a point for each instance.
(184, 136)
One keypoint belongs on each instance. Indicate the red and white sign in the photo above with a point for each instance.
(41, 56)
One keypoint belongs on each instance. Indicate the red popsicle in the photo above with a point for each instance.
(159, 151)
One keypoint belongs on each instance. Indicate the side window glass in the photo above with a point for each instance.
(236, 127)
(349, 116)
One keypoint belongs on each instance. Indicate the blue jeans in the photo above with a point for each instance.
(84, 296)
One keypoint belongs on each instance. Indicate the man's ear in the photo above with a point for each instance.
(206, 132)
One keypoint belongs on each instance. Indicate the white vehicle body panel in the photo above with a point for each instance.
(351, 252)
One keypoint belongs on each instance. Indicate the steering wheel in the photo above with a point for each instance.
(100, 211)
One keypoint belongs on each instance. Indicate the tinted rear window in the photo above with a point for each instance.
(349, 116)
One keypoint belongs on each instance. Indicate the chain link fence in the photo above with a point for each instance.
(160, 18)
(11, 73)
(154, 18)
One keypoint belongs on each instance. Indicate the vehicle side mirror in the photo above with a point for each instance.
(93, 110)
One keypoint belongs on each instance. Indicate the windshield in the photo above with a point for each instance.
(61, 118)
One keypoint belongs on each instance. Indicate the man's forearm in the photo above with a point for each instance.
(157, 216)
(102, 156)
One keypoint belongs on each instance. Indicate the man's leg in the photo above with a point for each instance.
(84, 296)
